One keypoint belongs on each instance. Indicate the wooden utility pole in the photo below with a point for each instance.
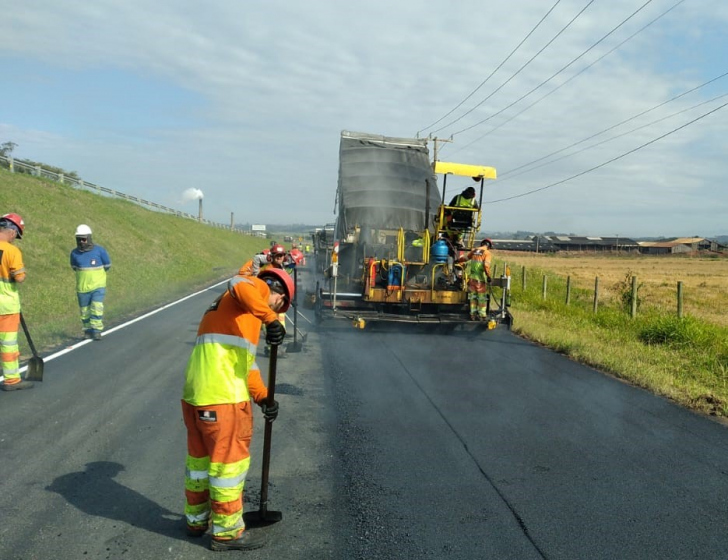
(435, 140)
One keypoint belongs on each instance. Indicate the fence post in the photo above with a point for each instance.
(633, 312)
(543, 288)
(596, 293)
(37, 170)
(568, 289)
(523, 278)
(680, 300)
(494, 272)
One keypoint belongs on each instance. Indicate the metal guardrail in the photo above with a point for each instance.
(39, 171)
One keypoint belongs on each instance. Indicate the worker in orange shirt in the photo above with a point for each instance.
(275, 258)
(220, 380)
(12, 273)
(477, 270)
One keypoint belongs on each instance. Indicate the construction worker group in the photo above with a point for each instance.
(90, 263)
(222, 378)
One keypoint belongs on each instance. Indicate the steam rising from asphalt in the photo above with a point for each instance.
(192, 194)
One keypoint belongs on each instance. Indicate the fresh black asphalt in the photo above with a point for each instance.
(391, 443)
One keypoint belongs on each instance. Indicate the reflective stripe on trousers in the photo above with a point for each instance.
(91, 305)
(9, 351)
(218, 458)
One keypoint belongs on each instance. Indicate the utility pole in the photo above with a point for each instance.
(435, 140)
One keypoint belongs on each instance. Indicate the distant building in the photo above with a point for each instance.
(596, 244)
(680, 245)
(553, 243)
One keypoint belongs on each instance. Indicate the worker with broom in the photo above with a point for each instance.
(220, 380)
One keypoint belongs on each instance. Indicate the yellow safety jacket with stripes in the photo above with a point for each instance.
(222, 368)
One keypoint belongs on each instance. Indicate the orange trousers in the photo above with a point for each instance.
(218, 458)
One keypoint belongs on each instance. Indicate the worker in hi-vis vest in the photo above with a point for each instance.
(221, 378)
(12, 273)
(90, 263)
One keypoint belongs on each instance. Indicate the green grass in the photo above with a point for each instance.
(684, 359)
(155, 257)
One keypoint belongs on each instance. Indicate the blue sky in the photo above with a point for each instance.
(245, 101)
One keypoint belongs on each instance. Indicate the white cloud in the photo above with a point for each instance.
(276, 81)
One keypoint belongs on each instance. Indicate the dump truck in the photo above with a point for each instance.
(393, 256)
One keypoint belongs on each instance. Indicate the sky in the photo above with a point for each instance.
(601, 117)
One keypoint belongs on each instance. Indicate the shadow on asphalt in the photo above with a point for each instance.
(95, 492)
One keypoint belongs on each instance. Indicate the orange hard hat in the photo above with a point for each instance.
(280, 281)
(17, 221)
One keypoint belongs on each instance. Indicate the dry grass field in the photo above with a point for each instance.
(704, 278)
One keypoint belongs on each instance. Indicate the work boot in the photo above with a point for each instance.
(473, 317)
(88, 335)
(249, 540)
(196, 532)
(97, 335)
(17, 386)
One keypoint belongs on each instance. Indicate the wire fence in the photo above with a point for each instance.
(39, 171)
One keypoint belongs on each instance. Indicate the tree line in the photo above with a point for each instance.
(6, 150)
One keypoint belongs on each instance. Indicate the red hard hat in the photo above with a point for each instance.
(276, 278)
(16, 221)
(487, 242)
(278, 250)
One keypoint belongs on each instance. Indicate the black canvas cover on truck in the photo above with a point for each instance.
(383, 183)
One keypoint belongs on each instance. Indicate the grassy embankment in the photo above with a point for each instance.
(155, 257)
(685, 359)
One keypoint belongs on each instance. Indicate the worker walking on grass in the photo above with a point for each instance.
(477, 270)
(12, 273)
(220, 380)
(90, 263)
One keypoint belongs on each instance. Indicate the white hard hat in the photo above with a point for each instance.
(82, 230)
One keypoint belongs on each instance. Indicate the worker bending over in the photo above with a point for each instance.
(220, 380)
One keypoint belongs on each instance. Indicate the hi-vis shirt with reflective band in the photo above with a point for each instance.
(222, 368)
(11, 268)
(478, 266)
(90, 267)
(463, 202)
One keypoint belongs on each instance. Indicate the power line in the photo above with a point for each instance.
(491, 74)
(612, 138)
(519, 70)
(556, 73)
(575, 76)
(609, 161)
(683, 94)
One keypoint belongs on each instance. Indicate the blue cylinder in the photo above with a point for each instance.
(440, 251)
(396, 272)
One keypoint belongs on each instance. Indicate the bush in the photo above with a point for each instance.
(677, 332)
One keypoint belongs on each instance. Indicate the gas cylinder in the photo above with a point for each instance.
(396, 274)
(440, 251)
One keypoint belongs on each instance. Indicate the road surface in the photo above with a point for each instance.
(388, 445)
